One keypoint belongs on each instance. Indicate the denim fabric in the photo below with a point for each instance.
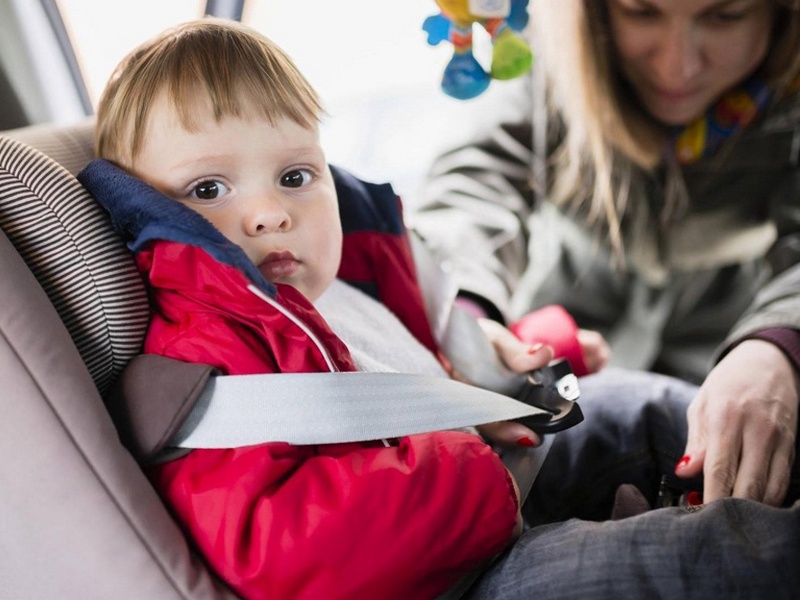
(634, 432)
(727, 550)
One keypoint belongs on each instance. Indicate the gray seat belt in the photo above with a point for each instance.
(241, 410)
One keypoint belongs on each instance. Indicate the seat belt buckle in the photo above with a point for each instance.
(553, 389)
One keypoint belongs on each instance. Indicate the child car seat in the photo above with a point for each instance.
(80, 520)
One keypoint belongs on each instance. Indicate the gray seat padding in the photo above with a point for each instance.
(71, 146)
(79, 518)
(84, 267)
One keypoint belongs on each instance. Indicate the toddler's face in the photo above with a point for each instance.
(266, 188)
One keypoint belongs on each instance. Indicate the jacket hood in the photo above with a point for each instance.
(142, 214)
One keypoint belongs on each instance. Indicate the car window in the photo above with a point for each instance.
(103, 32)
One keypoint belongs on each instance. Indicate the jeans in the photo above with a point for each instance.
(634, 432)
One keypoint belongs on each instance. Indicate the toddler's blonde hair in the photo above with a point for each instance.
(241, 72)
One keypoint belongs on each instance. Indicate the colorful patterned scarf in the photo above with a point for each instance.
(732, 113)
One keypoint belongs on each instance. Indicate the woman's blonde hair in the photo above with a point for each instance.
(607, 132)
(239, 71)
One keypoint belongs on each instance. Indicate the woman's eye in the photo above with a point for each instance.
(638, 12)
(209, 190)
(724, 17)
(297, 178)
(644, 14)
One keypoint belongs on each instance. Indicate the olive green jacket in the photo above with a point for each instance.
(725, 266)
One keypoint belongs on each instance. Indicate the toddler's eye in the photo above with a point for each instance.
(297, 178)
(209, 190)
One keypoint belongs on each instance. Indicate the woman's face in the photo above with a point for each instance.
(680, 56)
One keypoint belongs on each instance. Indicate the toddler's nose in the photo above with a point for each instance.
(267, 215)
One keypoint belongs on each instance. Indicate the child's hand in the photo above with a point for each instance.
(520, 358)
(517, 355)
(596, 351)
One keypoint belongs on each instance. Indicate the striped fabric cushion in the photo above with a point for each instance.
(71, 146)
(84, 267)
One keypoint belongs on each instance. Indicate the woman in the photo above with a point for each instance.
(652, 189)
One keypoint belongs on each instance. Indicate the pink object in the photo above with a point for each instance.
(554, 326)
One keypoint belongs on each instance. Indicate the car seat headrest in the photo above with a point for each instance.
(68, 242)
(71, 146)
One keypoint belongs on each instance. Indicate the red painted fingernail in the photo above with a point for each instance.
(525, 442)
(683, 462)
(534, 348)
(693, 499)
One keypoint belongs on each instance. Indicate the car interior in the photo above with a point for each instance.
(80, 518)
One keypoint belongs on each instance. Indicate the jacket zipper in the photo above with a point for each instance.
(283, 310)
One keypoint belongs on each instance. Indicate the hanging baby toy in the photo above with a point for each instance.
(464, 77)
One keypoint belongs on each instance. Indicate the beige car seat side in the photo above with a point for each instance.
(79, 520)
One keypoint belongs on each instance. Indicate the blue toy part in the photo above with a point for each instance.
(518, 17)
(464, 77)
(438, 29)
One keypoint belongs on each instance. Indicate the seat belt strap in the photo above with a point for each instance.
(328, 408)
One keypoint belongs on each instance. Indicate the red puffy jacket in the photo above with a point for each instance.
(348, 521)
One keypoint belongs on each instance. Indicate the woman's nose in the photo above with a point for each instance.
(267, 215)
(678, 57)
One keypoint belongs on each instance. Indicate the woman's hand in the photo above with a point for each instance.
(596, 351)
(520, 358)
(742, 425)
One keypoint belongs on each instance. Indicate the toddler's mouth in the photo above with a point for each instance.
(279, 265)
